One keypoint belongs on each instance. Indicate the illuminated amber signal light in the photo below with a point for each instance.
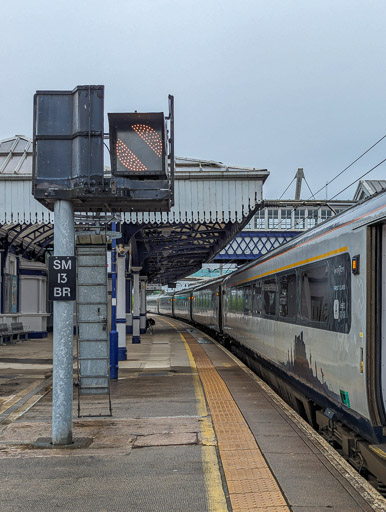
(150, 136)
(128, 159)
(355, 265)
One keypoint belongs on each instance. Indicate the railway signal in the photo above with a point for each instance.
(138, 145)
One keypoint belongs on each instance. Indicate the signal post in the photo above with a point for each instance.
(68, 176)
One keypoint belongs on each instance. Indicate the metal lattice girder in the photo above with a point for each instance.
(250, 245)
(28, 237)
(172, 251)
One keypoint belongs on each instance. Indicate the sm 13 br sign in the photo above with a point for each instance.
(62, 278)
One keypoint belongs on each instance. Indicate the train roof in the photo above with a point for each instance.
(212, 281)
(368, 211)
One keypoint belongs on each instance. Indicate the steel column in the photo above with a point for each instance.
(137, 301)
(121, 308)
(64, 245)
(129, 312)
(142, 324)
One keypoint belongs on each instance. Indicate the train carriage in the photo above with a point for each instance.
(303, 310)
(182, 304)
(165, 304)
(152, 302)
(206, 304)
(310, 318)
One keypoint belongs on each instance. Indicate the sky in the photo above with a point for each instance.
(267, 84)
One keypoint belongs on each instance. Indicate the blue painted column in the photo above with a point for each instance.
(142, 324)
(129, 301)
(121, 308)
(137, 302)
(113, 332)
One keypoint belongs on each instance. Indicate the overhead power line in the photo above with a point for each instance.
(337, 176)
(350, 165)
(287, 188)
(360, 177)
(312, 195)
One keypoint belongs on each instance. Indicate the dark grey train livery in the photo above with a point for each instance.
(310, 318)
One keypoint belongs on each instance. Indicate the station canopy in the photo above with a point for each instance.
(213, 202)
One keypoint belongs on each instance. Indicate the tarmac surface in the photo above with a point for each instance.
(171, 444)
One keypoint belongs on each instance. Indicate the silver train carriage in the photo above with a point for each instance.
(206, 304)
(165, 304)
(312, 312)
(310, 317)
(152, 302)
(182, 304)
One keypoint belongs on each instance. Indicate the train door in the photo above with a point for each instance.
(383, 313)
(376, 324)
(219, 306)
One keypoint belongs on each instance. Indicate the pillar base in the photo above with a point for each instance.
(129, 329)
(142, 331)
(122, 354)
(136, 339)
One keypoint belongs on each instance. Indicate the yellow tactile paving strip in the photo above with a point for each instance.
(251, 485)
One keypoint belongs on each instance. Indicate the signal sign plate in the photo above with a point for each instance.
(62, 278)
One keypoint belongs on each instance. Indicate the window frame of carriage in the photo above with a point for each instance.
(331, 324)
(181, 302)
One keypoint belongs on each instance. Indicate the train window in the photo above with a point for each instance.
(315, 291)
(257, 296)
(269, 296)
(245, 299)
(287, 296)
(232, 303)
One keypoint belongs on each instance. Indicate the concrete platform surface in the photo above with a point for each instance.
(192, 430)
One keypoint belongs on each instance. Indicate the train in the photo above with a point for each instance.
(309, 318)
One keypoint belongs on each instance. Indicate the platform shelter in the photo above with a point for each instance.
(213, 202)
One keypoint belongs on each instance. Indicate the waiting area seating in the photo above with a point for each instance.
(12, 333)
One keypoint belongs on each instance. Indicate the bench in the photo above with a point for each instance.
(4, 333)
(18, 332)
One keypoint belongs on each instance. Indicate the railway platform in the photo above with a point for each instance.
(192, 429)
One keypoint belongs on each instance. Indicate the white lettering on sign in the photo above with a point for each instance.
(62, 278)
(57, 292)
(62, 292)
(61, 264)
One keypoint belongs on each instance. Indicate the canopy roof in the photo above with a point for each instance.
(212, 203)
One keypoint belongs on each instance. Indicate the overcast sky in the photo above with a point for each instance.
(258, 83)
